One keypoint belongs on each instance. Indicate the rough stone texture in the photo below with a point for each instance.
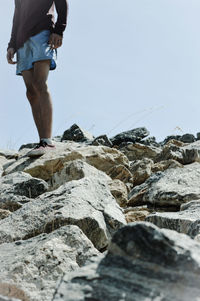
(187, 220)
(119, 191)
(44, 167)
(134, 135)
(9, 154)
(19, 188)
(4, 213)
(120, 172)
(151, 141)
(76, 170)
(143, 263)
(24, 184)
(133, 214)
(141, 170)
(170, 151)
(25, 146)
(163, 165)
(35, 265)
(87, 203)
(10, 292)
(188, 138)
(3, 161)
(171, 137)
(75, 133)
(7, 164)
(102, 140)
(185, 154)
(171, 187)
(195, 147)
(3, 298)
(139, 151)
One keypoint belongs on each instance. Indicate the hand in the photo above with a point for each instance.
(55, 40)
(10, 56)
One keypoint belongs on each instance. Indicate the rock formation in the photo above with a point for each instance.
(101, 218)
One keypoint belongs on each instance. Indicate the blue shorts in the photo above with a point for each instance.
(36, 48)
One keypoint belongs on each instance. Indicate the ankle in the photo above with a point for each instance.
(47, 140)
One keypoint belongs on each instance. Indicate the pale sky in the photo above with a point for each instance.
(124, 64)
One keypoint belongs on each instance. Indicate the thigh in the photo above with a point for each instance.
(41, 70)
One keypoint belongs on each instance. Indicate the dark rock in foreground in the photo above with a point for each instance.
(143, 263)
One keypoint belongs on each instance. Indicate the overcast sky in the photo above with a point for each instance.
(124, 64)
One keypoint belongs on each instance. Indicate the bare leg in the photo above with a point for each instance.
(32, 96)
(39, 97)
(41, 72)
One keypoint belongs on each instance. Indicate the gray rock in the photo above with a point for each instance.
(138, 151)
(9, 154)
(134, 135)
(175, 137)
(75, 133)
(19, 188)
(194, 148)
(27, 145)
(101, 157)
(102, 140)
(87, 203)
(3, 161)
(151, 141)
(141, 170)
(171, 187)
(76, 170)
(185, 154)
(142, 263)
(182, 221)
(172, 151)
(8, 163)
(198, 136)
(188, 138)
(37, 264)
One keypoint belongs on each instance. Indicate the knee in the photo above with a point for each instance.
(31, 94)
(40, 86)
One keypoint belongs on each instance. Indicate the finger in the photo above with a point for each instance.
(54, 42)
(59, 43)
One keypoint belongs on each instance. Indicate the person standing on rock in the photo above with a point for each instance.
(35, 38)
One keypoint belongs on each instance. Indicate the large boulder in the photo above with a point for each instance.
(143, 263)
(76, 170)
(44, 167)
(87, 203)
(37, 264)
(169, 188)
